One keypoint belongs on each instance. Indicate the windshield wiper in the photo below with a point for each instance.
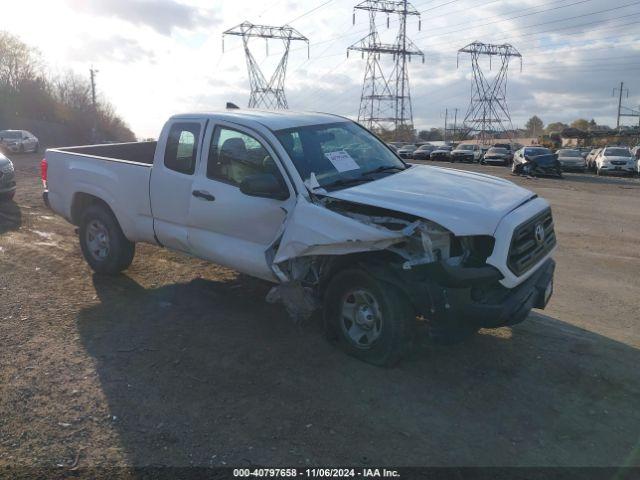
(346, 182)
(384, 168)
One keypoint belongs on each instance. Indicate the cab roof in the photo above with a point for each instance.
(273, 120)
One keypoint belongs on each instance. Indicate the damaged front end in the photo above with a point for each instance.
(422, 258)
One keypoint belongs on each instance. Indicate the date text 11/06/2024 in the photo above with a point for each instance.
(316, 472)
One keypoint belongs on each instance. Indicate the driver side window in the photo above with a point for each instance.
(234, 156)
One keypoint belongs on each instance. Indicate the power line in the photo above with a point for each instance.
(310, 11)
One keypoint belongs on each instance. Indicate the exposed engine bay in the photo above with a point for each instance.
(305, 255)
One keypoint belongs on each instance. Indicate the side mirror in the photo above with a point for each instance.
(265, 185)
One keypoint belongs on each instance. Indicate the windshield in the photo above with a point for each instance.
(535, 152)
(569, 153)
(7, 134)
(498, 150)
(617, 152)
(409, 147)
(337, 153)
(466, 147)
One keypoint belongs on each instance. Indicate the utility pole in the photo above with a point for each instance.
(94, 131)
(266, 94)
(488, 112)
(455, 124)
(446, 118)
(386, 99)
(620, 91)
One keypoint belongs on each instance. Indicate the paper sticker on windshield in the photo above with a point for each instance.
(342, 161)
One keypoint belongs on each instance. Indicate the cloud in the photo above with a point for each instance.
(161, 15)
(113, 49)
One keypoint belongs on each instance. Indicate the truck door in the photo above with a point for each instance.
(172, 178)
(227, 226)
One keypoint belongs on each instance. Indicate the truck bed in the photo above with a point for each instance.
(117, 174)
(136, 152)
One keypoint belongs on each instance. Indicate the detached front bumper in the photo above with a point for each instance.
(456, 295)
(498, 306)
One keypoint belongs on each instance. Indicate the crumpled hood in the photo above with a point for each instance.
(464, 203)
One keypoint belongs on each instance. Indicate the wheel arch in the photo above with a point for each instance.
(375, 263)
(81, 201)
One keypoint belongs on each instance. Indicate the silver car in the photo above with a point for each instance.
(19, 141)
(571, 159)
(7, 179)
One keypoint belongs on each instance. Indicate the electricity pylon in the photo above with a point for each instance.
(269, 95)
(488, 113)
(386, 99)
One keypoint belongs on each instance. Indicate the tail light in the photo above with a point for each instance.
(43, 172)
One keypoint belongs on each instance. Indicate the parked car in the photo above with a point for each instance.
(497, 155)
(19, 141)
(441, 153)
(615, 160)
(423, 152)
(636, 152)
(406, 151)
(536, 161)
(584, 151)
(509, 147)
(571, 159)
(591, 158)
(278, 196)
(393, 147)
(466, 152)
(7, 179)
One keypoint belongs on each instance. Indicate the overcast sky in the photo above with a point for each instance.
(160, 57)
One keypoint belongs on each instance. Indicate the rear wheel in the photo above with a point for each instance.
(104, 246)
(370, 319)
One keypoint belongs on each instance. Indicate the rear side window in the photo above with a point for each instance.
(182, 147)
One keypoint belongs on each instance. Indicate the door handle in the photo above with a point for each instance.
(203, 195)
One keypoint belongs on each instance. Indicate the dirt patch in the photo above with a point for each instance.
(180, 362)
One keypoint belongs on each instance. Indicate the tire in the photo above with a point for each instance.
(351, 299)
(36, 149)
(104, 246)
(21, 149)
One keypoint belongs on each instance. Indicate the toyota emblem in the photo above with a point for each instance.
(539, 233)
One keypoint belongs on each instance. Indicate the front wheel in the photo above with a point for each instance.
(104, 246)
(370, 319)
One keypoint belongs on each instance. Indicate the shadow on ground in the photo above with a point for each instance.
(206, 372)
(10, 216)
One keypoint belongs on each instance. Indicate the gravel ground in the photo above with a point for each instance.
(179, 362)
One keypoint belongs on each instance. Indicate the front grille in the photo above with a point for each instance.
(618, 162)
(526, 250)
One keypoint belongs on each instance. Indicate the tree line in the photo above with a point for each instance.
(29, 95)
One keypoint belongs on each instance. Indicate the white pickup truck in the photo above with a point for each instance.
(323, 209)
